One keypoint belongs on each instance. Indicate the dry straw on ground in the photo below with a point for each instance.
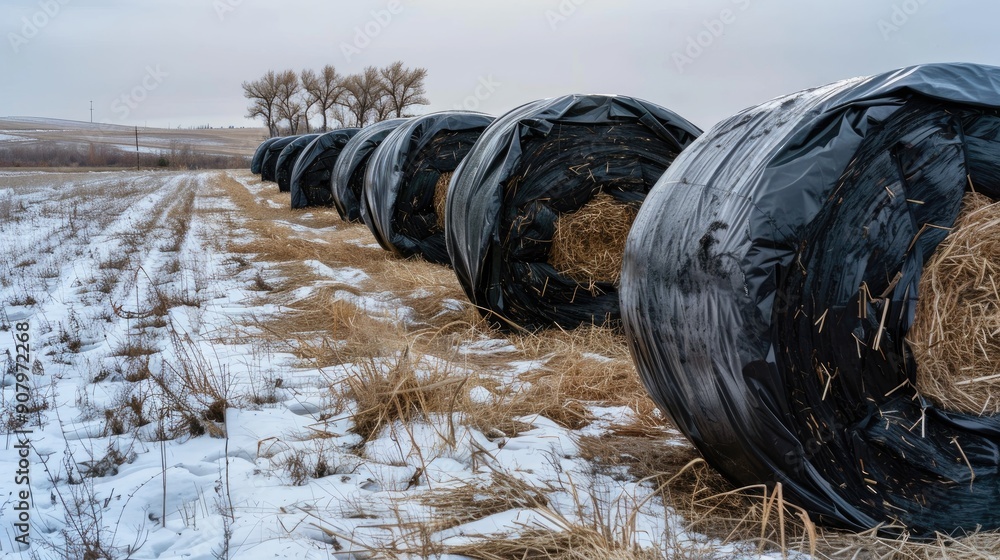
(956, 335)
(588, 244)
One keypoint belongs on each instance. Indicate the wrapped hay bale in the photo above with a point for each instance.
(310, 183)
(258, 155)
(405, 173)
(269, 161)
(286, 160)
(539, 211)
(348, 179)
(773, 275)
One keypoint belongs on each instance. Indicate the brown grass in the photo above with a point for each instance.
(577, 542)
(323, 330)
(589, 244)
(472, 502)
(955, 337)
(195, 388)
(584, 366)
(390, 392)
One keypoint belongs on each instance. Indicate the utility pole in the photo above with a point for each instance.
(91, 112)
(137, 148)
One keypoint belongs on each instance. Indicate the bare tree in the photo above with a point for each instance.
(289, 106)
(307, 100)
(364, 93)
(374, 94)
(326, 90)
(383, 107)
(263, 96)
(404, 87)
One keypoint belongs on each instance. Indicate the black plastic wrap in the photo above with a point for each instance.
(398, 202)
(310, 183)
(348, 179)
(258, 155)
(287, 158)
(534, 163)
(770, 280)
(269, 162)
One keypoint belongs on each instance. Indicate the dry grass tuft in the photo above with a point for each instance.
(441, 196)
(324, 330)
(577, 542)
(584, 366)
(433, 293)
(197, 389)
(399, 391)
(472, 502)
(589, 244)
(956, 334)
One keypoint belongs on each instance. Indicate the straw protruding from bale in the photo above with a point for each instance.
(441, 196)
(588, 244)
(955, 337)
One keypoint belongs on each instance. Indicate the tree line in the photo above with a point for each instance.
(372, 95)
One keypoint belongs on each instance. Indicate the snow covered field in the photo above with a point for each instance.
(82, 135)
(194, 371)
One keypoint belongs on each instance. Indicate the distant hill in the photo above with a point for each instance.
(33, 140)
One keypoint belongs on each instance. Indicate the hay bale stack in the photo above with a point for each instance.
(537, 214)
(348, 178)
(955, 337)
(771, 280)
(402, 177)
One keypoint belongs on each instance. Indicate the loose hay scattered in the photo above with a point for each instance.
(441, 196)
(588, 245)
(955, 337)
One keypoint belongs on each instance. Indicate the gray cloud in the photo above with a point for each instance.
(702, 59)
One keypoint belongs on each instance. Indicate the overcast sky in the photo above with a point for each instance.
(181, 62)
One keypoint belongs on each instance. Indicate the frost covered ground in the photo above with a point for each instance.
(214, 376)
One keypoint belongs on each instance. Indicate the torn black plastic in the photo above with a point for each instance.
(770, 280)
(540, 160)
